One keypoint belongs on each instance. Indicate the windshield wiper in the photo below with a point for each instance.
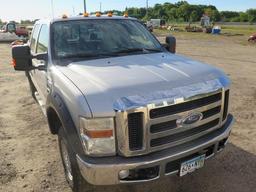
(87, 55)
(134, 50)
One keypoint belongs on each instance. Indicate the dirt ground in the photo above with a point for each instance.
(29, 156)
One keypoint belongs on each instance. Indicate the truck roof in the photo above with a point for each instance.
(81, 17)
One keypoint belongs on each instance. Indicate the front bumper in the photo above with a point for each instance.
(105, 171)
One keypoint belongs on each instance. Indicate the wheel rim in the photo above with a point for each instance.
(66, 161)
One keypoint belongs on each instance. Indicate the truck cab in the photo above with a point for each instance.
(125, 108)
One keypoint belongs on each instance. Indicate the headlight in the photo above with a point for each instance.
(98, 136)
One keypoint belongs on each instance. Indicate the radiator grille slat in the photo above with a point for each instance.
(182, 135)
(186, 106)
(211, 112)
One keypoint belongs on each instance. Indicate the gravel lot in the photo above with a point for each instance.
(29, 156)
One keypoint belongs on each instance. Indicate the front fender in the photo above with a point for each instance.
(56, 103)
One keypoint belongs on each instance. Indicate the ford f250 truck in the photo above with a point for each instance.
(126, 108)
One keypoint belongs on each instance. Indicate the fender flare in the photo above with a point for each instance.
(56, 103)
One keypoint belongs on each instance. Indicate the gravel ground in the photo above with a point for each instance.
(29, 156)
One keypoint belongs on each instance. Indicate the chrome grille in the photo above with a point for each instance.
(186, 106)
(160, 130)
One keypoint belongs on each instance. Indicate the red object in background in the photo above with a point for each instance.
(252, 38)
(21, 31)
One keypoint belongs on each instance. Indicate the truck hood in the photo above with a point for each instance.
(131, 81)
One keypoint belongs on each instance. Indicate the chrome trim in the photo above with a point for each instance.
(122, 124)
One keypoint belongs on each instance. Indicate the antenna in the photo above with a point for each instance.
(84, 6)
(52, 8)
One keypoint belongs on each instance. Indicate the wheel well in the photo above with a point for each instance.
(53, 120)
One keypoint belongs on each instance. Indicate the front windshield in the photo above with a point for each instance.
(101, 38)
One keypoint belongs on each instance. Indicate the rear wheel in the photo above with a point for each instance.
(72, 172)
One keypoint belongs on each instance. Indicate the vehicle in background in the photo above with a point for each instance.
(11, 32)
(149, 26)
(156, 23)
(13, 28)
(125, 107)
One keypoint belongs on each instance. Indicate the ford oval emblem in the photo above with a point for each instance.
(190, 119)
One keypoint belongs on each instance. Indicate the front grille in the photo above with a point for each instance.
(148, 129)
(184, 134)
(190, 105)
(135, 129)
(172, 124)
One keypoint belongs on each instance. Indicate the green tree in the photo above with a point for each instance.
(243, 17)
(251, 15)
(194, 16)
(228, 15)
(184, 12)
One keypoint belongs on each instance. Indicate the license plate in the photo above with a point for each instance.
(191, 165)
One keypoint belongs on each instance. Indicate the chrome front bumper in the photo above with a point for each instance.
(105, 171)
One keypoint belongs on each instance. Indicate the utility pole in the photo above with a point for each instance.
(84, 6)
(100, 6)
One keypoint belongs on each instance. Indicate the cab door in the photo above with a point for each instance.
(40, 76)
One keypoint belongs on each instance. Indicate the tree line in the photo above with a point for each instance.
(184, 12)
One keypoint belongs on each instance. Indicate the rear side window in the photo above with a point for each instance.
(42, 44)
(34, 38)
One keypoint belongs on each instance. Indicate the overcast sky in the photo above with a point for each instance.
(34, 9)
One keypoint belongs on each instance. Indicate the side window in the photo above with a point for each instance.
(42, 44)
(34, 38)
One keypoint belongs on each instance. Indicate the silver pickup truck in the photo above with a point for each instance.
(126, 108)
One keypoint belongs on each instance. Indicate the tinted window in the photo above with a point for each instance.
(42, 43)
(34, 38)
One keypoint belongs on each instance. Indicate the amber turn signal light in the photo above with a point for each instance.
(13, 62)
(99, 134)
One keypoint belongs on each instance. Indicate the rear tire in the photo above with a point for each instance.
(72, 173)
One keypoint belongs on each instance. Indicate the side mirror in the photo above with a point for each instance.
(22, 59)
(171, 44)
(41, 56)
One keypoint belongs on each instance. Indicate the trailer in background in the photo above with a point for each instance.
(156, 23)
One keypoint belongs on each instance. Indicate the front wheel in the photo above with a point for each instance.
(72, 172)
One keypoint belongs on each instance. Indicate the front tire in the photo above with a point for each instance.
(72, 172)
